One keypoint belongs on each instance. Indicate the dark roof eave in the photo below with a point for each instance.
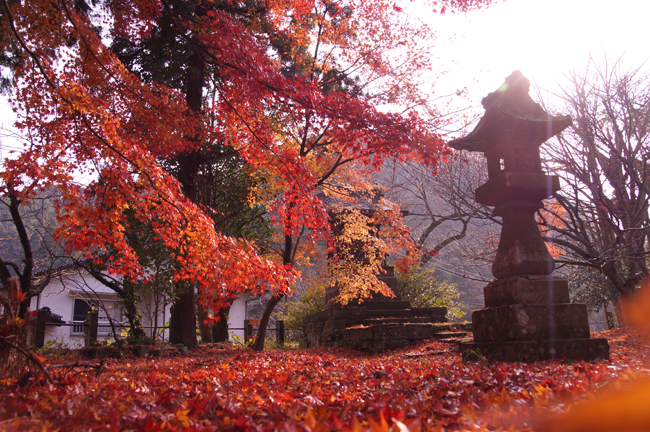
(498, 124)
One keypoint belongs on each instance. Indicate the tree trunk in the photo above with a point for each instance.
(610, 320)
(264, 322)
(130, 309)
(182, 322)
(205, 330)
(610, 271)
(618, 313)
(220, 328)
(28, 261)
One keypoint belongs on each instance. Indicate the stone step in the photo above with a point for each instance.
(388, 332)
(463, 325)
(374, 337)
(451, 335)
(372, 305)
(450, 340)
(457, 326)
(386, 313)
(396, 320)
(430, 311)
(404, 313)
(375, 325)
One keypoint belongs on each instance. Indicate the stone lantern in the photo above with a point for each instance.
(527, 314)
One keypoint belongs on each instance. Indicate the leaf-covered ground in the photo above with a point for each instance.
(221, 387)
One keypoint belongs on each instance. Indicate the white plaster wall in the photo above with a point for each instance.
(149, 317)
(59, 295)
(236, 318)
(60, 303)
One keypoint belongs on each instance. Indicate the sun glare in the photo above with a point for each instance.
(542, 39)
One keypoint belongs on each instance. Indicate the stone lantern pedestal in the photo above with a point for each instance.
(528, 315)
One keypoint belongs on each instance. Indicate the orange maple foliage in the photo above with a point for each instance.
(363, 240)
(553, 214)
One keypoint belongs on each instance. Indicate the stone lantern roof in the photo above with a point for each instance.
(510, 134)
(513, 126)
(525, 121)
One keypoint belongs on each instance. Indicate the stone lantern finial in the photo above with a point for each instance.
(512, 97)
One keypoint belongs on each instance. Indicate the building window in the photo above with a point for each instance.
(80, 310)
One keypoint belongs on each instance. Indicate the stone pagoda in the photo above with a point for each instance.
(528, 315)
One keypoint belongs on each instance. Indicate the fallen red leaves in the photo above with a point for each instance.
(226, 388)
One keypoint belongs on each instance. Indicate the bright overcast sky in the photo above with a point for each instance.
(543, 39)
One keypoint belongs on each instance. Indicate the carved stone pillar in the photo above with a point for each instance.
(522, 250)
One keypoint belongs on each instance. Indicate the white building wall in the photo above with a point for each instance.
(155, 311)
(236, 318)
(60, 294)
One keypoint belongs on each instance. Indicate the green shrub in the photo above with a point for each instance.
(419, 287)
(311, 301)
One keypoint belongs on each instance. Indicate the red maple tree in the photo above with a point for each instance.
(88, 117)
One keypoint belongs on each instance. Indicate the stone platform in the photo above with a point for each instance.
(373, 326)
(530, 318)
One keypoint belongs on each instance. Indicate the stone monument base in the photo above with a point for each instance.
(530, 318)
(373, 326)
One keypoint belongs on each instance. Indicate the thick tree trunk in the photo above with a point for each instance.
(220, 328)
(611, 272)
(182, 322)
(205, 330)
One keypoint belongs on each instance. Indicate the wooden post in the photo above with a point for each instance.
(39, 329)
(610, 320)
(92, 319)
(248, 330)
(280, 326)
